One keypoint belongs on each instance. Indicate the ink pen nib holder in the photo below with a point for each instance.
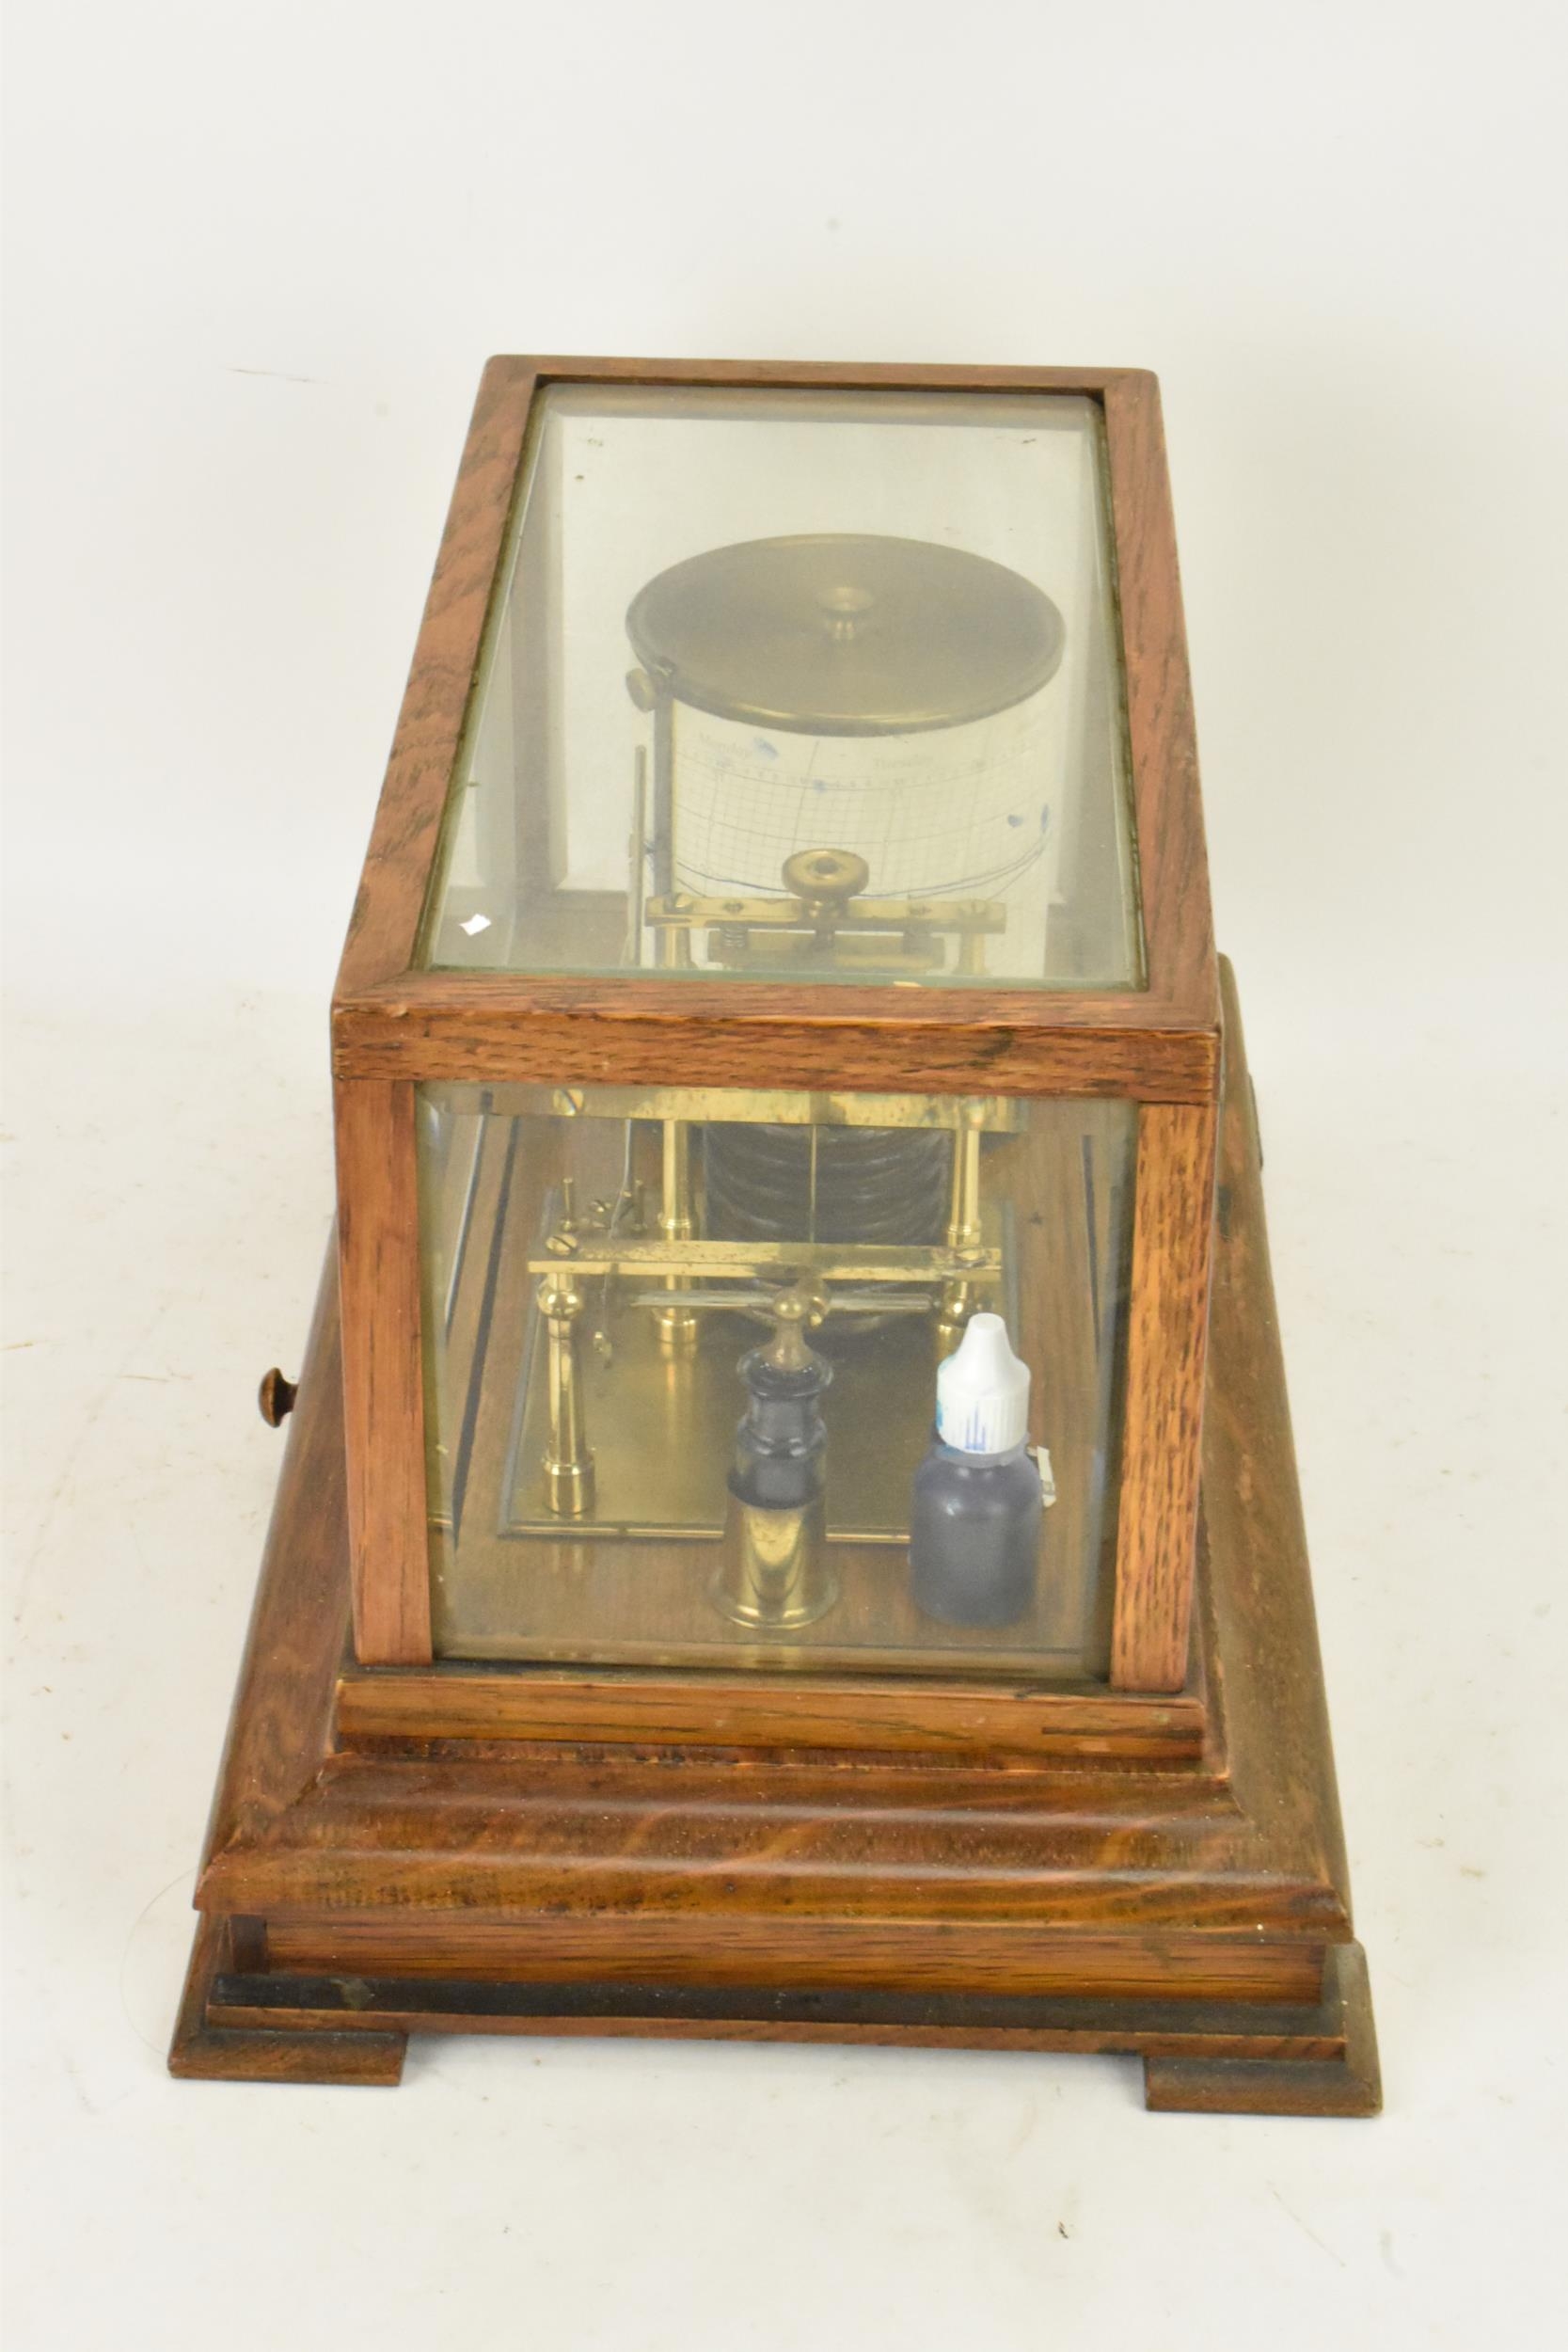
(773, 1571)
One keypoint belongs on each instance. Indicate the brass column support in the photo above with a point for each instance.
(963, 1216)
(650, 693)
(568, 1463)
(677, 1325)
(963, 1225)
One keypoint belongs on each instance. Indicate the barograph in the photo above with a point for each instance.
(788, 1525)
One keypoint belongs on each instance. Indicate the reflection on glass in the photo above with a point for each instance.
(822, 685)
(681, 1352)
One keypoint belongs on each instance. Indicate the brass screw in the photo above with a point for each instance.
(276, 1396)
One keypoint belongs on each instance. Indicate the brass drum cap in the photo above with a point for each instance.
(836, 633)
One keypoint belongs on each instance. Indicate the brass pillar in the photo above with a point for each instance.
(568, 1463)
(677, 1325)
(963, 1216)
(963, 1227)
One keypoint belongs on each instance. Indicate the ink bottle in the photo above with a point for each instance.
(977, 1501)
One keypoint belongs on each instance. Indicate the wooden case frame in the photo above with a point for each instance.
(401, 1851)
(395, 1025)
(400, 1845)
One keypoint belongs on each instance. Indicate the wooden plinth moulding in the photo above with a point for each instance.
(404, 1850)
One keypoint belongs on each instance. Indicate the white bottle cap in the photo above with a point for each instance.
(983, 1391)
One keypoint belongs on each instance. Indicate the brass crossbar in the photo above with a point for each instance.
(858, 914)
(872, 1263)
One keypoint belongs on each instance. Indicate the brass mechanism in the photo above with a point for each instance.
(824, 918)
(828, 634)
(837, 634)
(656, 1258)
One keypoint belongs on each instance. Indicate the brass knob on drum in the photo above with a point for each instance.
(843, 609)
(825, 880)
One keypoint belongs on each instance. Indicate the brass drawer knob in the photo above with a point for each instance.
(276, 1396)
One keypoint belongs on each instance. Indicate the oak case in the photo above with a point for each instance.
(1147, 1863)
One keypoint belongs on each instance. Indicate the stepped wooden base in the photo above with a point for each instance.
(1211, 2057)
(425, 1851)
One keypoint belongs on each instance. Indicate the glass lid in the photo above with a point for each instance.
(813, 685)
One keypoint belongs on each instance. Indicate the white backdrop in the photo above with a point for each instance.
(258, 254)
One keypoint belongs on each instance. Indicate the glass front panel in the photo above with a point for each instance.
(814, 684)
(682, 1349)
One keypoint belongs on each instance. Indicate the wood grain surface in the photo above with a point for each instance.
(479, 1027)
(1166, 1346)
(383, 932)
(1172, 857)
(378, 1255)
(829, 1713)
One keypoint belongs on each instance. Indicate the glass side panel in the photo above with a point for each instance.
(817, 684)
(617, 1279)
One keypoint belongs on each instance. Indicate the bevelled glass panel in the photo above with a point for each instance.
(815, 685)
(616, 1280)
